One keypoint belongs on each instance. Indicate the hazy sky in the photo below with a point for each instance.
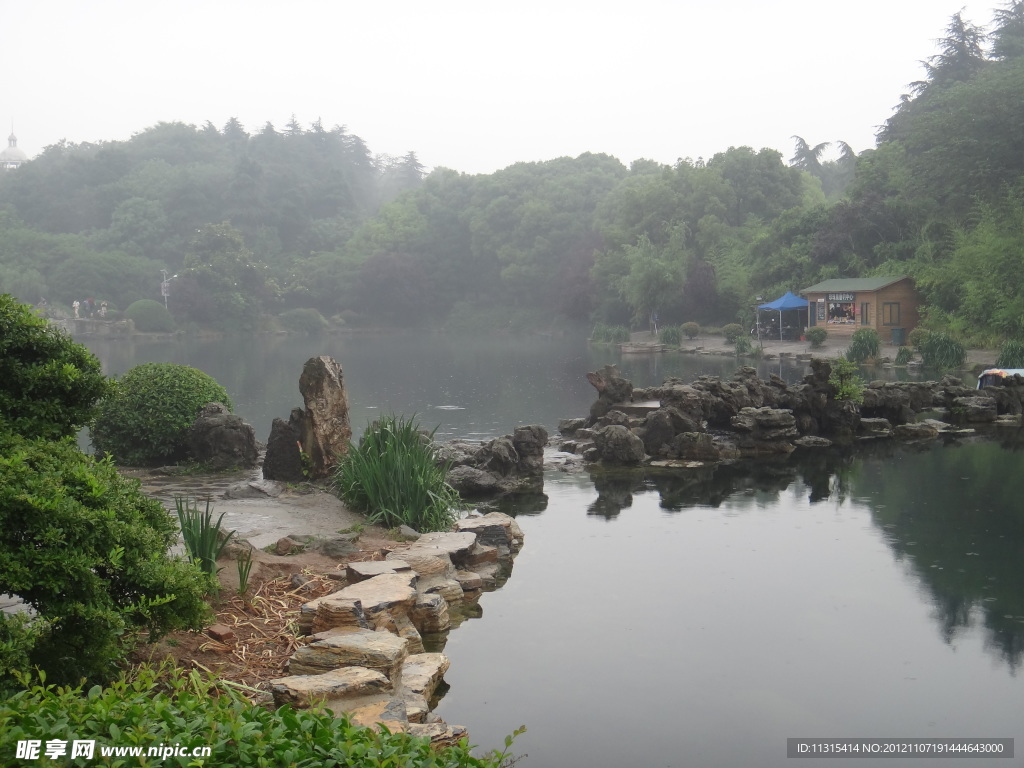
(473, 86)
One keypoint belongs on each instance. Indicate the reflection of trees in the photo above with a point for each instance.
(951, 512)
(953, 515)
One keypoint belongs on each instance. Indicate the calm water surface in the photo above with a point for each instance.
(702, 617)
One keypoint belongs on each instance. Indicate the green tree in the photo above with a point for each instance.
(654, 280)
(49, 385)
(87, 550)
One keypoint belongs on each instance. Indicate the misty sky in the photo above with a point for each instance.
(473, 86)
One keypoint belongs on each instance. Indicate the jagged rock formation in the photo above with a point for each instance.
(366, 652)
(222, 440)
(509, 464)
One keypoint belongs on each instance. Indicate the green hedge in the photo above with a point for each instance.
(145, 419)
(166, 707)
(49, 384)
(88, 551)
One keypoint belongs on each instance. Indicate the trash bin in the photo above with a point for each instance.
(899, 337)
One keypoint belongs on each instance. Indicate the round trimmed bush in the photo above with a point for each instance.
(145, 420)
(149, 316)
(817, 336)
(732, 331)
(690, 330)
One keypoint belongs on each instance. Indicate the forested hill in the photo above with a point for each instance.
(257, 224)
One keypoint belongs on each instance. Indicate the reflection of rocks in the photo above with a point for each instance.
(368, 655)
(510, 464)
(222, 440)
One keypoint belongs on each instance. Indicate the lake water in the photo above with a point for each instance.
(700, 617)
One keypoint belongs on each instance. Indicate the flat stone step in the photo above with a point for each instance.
(335, 685)
(637, 409)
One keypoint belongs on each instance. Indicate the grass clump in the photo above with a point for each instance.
(609, 334)
(393, 477)
(204, 539)
(163, 706)
(672, 335)
(864, 345)
(1011, 354)
(904, 355)
(940, 350)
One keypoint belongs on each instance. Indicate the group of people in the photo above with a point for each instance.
(89, 308)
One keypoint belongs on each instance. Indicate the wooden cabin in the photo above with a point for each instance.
(887, 304)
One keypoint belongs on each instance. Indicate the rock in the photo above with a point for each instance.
(254, 489)
(430, 613)
(470, 482)
(812, 441)
(440, 734)
(456, 545)
(568, 427)
(469, 581)
(338, 547)
(361, 571)
(917, 431)
(383, 598)
(221, 439)
(393, 713)
(611, 388)
(529, 442)
(494, 529)
(283, 461)
(326, 430)
(406, 532)
(617, 445)
(702, 446)
(423, 672)
(288, 546)
(974, 410)
(380, 651)
(332, 611)
(876, 427)
(333, 685)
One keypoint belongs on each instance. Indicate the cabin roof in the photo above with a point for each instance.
(846, 284)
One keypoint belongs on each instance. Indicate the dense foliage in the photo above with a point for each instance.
(394, 478)
(88, 551)
(49, 385)
(865, 344)
(145, 418)
(163, 707)
(260, 223)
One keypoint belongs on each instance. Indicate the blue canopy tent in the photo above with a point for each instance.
(786, 303)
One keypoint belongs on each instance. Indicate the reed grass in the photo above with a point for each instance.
(204, 539)
(393, 477)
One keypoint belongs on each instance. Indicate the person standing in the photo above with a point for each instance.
(75, 305)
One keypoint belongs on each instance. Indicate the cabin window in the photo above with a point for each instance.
(864, 307)
(891, 313)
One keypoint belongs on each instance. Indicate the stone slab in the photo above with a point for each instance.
(379, 651)
(362, 571)
(335, 685)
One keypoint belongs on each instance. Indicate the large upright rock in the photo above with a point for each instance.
(221, 439)
(611, 388)
(283, 460)
(326, 430)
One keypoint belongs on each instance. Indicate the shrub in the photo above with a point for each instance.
(88, 551)
(145, 419)
(49, 385)
(916, 338)
(609, 334)
(690, 330)
(671, 334)
(149, 316)
(904, 355)
(845, 381)
(743, 346)
(817, 336)
(938, 350)
(732, 331)
(864, 344)
(393, 478)
(304, 320)
(159, 707)
(1011, 354)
